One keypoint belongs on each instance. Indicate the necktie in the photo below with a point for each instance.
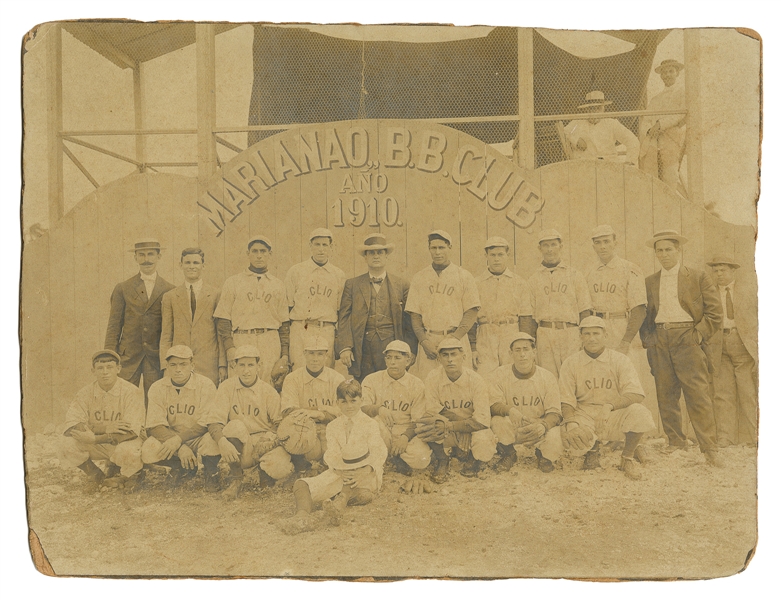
(192, 300)
(377, 280)
(730, 307)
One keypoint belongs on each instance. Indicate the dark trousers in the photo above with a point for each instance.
(372, 357)
(735, 393)
(151, 374)
(678, 363)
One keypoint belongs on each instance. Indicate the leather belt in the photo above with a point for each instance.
(448, 332)
(317, 323)
(728, 330)
(686, 324)
(609, 315)
(508, 321)
(253, 331)
(557, 324)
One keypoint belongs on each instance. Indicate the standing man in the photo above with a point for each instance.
(560, 299)
(187, 319)
(314, 291)
(371, 314)
(680, 328)
(136, 318)
(663, 136)
(443, 302)
(253, 311)
(505, 309)
(734, 383)
(617, 291)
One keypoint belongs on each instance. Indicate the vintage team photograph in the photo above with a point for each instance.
(387, 302)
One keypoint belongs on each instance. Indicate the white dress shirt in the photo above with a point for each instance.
(670, 309)
(149, 283)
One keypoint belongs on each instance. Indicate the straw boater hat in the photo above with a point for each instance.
(375, 241)
(146, 244)
(595, 98)
(668, 234)
(355, 454)
(723, 259)
(668, 63)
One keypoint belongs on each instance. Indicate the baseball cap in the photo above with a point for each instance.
(106, 353)
(496, 242)
(449, 343)
(321, 232)
(549, 234)
(398, 346)
(246, 351)
(259, 238)
(592, 321)
(316, 342)
(440, 233)
(180, 351)
(601, 230)
(521, 335)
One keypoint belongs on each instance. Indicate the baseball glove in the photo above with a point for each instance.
(297, 434)
(431, 429)
(278, 375)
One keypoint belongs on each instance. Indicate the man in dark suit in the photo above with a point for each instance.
(735, 379)
(371, 313)
(135, 320)
(681, 328)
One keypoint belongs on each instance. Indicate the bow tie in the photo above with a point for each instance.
(377, 280)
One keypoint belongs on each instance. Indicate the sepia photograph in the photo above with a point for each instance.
(383, 302)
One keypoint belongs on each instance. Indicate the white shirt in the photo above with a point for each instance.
(314, 291)
(670, 98)
(404, 397)
(670, 309)
(503, 296)
(197, 287)
(377, 286)
(253, 301)
(442, 298)
(727, 323)
(601, 380)
(301, 390)
(601, 138)
(149, 283)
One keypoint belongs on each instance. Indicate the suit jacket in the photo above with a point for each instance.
(134, 323)
(199, 333)
(746, 319)
(354, 312)
(699, 297)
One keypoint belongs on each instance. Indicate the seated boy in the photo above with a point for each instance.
(355, 457)
(104, 423)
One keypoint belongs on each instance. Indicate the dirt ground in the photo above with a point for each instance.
(683, 520)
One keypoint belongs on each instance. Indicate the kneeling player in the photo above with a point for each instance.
(396, 399)
(104, 423)
(251, 409)
(181, 407)
(460, 414)
(601, 399)
(355, 457)
(525, 407)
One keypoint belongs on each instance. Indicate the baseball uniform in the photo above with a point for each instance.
(615, 288)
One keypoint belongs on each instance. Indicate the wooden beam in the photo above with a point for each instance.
(80, 166)
(54, 123)
(525, 152)
(138, 108)
(694, 132)
(206, 102)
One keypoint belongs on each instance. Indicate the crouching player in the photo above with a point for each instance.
(601, 399)
(396, 400)
(525, 407)
(104, 423)
(355, 457)
(250, 407)
(181, 407)
(459, 414)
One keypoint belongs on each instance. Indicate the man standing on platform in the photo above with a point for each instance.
(371, 314)
(136, 318)
(560, 299)
(314, 291)
(443, 302)
(253, 311)
(684, 315)
(505, 309)
(187, 319)
(734, 383)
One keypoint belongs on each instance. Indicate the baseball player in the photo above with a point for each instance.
(601, 399)
(314, 292)
(460, 414)
(525, 407)
(443, 301)
(310, 394)
(253, 311)
(251, 409)
(355, 457)
(505, 309)
(560, 299)
(617, 289)
(181, 408)
(396, 400)
(104, 422)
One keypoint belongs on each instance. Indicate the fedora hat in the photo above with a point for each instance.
(375, 241)
(667, 234)
(668, 63)
(146, 244)
(595, 98)
(723, 259)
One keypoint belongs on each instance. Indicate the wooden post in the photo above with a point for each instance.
(692, 64)
(138, 106)
(525, 152)
(54, 122)
(207, 103)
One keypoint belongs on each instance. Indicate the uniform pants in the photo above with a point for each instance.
(482, 443)
(678, 363)
(555, 345)
(268, 346)
(203, 445)
(735, 393)
(493, 346)
(126, 455)
(372, 357)
(150, 372)
(329, 483)
(418, 453)
(299, 331)
(423, 365)
(507, 433)
(276, 462)
(634, 418)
